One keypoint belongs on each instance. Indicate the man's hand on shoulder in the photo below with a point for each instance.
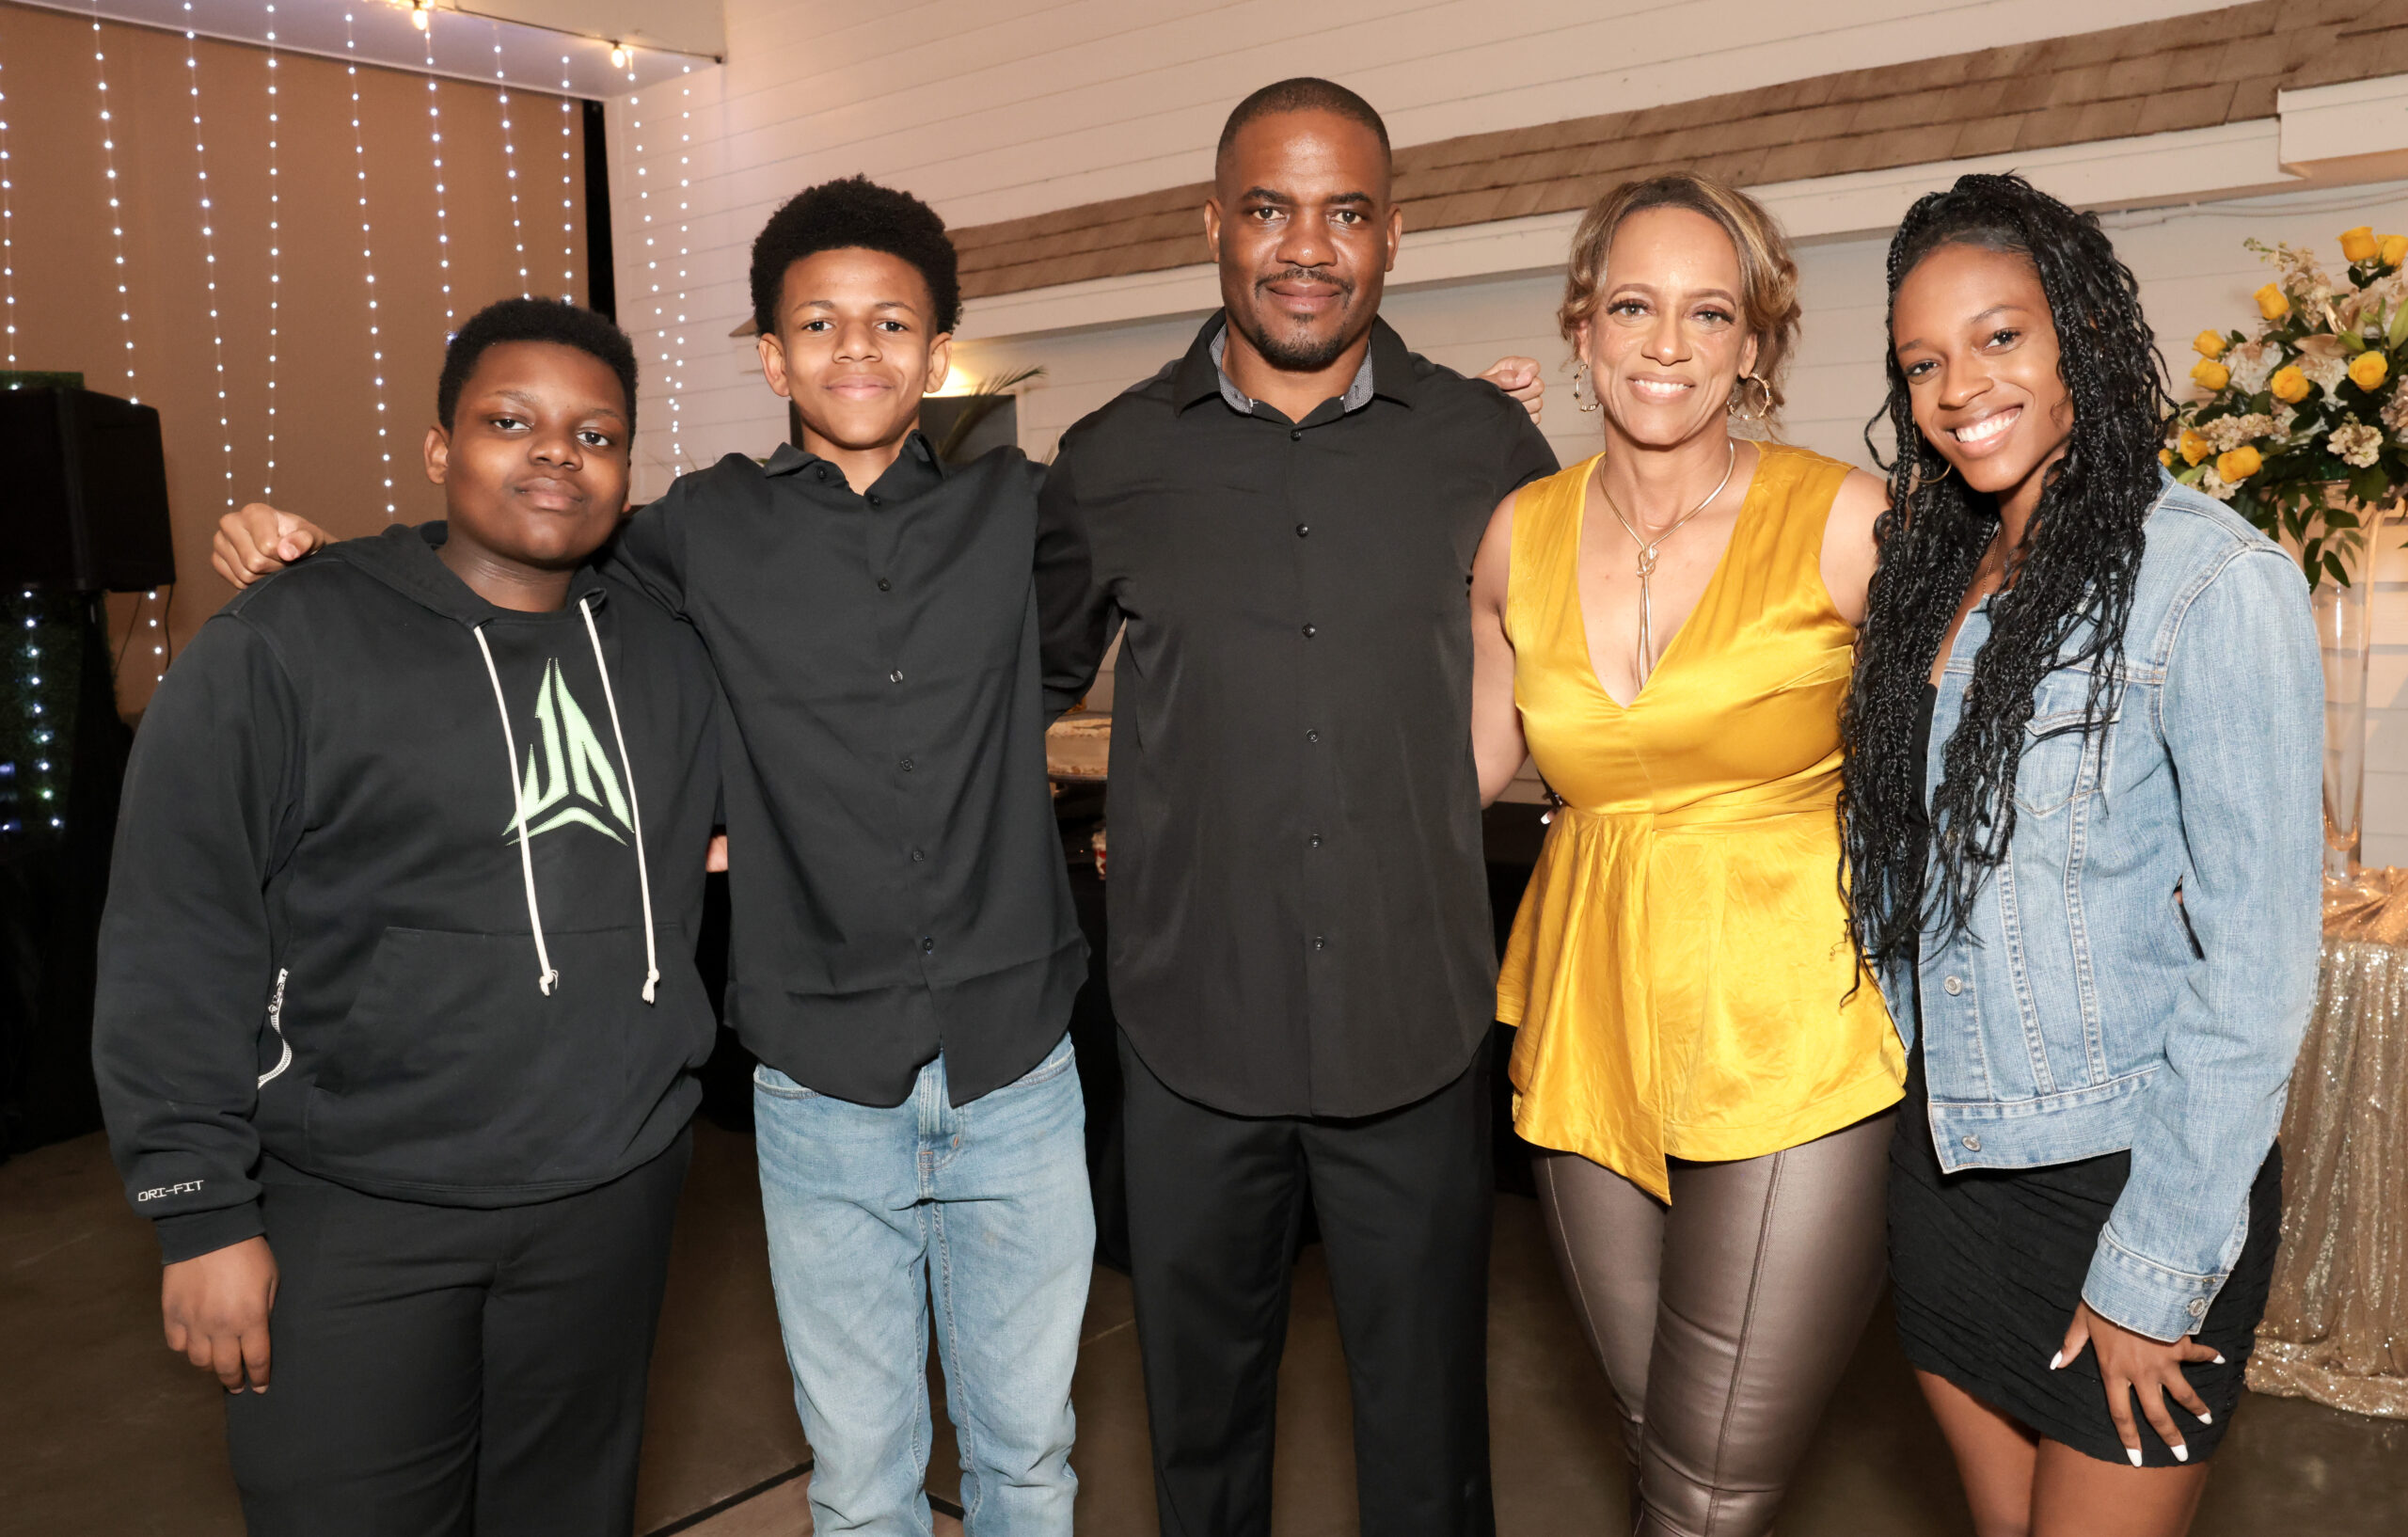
(259, 541)
(216, 1306)
(1520, 377)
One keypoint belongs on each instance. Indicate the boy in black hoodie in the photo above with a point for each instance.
(398, 1016)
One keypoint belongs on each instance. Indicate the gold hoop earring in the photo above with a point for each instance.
(1756, 406)
(1579, 372)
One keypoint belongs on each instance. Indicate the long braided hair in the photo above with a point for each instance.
(2069, 594)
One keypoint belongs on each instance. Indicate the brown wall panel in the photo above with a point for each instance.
(323, 433)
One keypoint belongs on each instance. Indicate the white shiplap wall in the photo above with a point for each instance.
(2194, 274)
(994, 109)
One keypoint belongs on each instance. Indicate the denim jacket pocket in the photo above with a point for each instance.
(2062, 762)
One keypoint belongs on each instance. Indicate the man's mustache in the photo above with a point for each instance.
(1307, 275)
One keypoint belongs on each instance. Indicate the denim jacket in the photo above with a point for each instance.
(2140, 965)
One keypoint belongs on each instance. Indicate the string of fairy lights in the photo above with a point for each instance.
(208, 256)
(509, 161)
(435, 141)
(117, 211)
(8, 235)
(44, 667)
(275, 258)
(368, 262)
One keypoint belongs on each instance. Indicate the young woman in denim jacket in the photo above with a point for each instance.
(2081, 809)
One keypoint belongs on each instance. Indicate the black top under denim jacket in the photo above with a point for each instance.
(1298, 903)
(897, 880)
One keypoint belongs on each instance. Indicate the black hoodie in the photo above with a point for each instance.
(324, 940)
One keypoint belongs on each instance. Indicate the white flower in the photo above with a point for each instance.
(2253, 363)
(2356, 444)
(2327, 373)
(2226, 434)
(2394, 412)
(2213, 483)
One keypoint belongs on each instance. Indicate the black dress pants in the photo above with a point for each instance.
(1215, 1204)
(442, 1370)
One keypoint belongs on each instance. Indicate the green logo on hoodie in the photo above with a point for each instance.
(574, 782)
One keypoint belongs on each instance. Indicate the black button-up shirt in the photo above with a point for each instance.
(1299, 911)
(897, 880)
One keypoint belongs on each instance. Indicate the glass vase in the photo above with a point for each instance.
(2344, 614)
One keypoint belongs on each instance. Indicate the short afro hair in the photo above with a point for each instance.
(1304, 93)
(855, 211)
(555, 320)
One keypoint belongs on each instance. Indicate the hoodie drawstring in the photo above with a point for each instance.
(635, 807)
(548, 977)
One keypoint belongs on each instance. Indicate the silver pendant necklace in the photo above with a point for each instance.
(1647, 552)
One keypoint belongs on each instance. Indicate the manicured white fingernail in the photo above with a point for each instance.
(2206, 1417)
(2219, 1359)
(2134, 1454)
(2181, 1453)
(2057, 1360)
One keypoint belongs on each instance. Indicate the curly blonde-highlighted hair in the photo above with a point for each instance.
(1767, 272)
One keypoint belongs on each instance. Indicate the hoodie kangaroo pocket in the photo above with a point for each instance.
(454, 1072)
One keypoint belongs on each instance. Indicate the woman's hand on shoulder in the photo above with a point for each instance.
(1848, 553)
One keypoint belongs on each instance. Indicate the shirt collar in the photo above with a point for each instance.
(1387, 370)
(917, 451)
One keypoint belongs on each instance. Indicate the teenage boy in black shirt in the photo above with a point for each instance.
(397, 1015)
(904, 950)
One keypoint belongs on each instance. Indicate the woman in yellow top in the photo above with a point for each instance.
(1667, 628)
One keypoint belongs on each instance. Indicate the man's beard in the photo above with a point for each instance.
(1299, 353)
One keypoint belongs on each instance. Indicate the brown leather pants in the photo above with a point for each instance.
(1724, 1320)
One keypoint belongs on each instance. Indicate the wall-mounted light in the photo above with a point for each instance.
(618, 55)
(418, 14)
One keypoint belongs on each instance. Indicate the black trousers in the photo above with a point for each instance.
(447, 1370)
(1215, 1204)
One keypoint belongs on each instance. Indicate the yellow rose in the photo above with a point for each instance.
(2272, 302)
(2238, 466)
(2209, 344)
(2165, 457)
(2369, 368)
(2395, 249)
(2195, 447)
(2358, 244)
(2209, 375)
(2289, 384)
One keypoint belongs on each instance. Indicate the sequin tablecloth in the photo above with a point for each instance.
(2336, 1324)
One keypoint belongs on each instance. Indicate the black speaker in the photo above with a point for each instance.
(83, 491)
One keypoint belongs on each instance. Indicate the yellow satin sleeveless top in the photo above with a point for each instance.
(1680, 968)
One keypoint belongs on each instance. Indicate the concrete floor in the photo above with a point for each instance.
(108, 1434)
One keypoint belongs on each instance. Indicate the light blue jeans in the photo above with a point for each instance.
(873, 1211)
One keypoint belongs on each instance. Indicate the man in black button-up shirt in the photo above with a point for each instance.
(1301, 959)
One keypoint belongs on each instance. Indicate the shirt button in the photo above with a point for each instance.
(874, 501)
(905, 765)
(1953, 986)
(918, 855)
(2198, 1307)
(1320, 942)
(1972, 1144)
(1303, 530)
(1310, 632)
(896, 676)
(1312, 735)
(1316, 840)
(1295, 435)
(884, 585)
(927, 947)
(820, 470)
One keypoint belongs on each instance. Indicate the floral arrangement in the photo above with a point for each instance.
(2311, 400)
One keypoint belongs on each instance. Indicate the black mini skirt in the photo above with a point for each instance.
(1986, 1266)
